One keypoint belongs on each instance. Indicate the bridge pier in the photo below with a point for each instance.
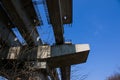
(44, 59)
(65, 72)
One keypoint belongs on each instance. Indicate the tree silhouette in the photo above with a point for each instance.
(116, 76)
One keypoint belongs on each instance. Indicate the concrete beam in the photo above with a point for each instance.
(3, 17)
(5, 32)
(66, 9)
(54, 10)
(21, 20)
(67, 55)
(8, 36)
(27, 13)
(65, 72)
(27, 6)
(55, 56)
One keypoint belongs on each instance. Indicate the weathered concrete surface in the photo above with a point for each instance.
(65, 72)
(55, 56)
(22, 19)
(60, 12)
(60, 50)
(66, 10)
(5, 33)
(27, 13)
(7, 36)
(54, 10)
(69, 59)
(27, 6)
(43, 56)
(60, 9)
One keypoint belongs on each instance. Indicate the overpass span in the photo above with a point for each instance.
(35, 56)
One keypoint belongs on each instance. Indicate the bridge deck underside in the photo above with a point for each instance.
(21, 14)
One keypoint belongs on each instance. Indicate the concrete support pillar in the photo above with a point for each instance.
(65, 72)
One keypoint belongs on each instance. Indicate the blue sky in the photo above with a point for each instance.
(96, 22)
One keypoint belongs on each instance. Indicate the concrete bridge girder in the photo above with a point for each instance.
(21, 7)
(62, 56)
(55, 15)
(22, 20)
(55, 56)
(6, 33)
(8, 36)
